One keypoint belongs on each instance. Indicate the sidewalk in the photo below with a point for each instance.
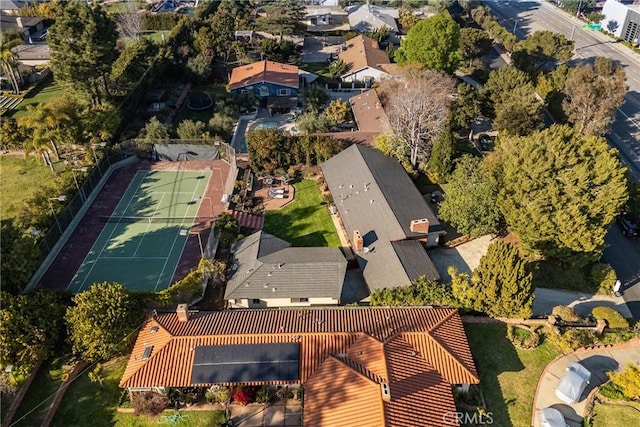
(599, 361)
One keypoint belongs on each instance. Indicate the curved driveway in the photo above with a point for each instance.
(599, 361)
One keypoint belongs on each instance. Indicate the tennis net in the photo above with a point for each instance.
(189, 221)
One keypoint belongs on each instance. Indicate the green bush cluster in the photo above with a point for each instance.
(614, 319)
(218, 394)
(149, 403)
(571, 339)
(482, 16)
(603, 278)
(160, 21)
(566, 314)
(523, 337)
(420, 292)
(611, 391)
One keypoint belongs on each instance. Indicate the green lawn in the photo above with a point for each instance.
(607, 415)
(319, 68)
(121, 6)
(305, 221)
(46, 92)
(193, 418)
(508, 376)
(20, 179)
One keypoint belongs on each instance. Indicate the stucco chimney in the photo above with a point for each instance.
(419, 226)
(183, 312)
(19, 21)
(386, 393)
(358, 241)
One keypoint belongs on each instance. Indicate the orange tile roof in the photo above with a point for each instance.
(345, 354)
(264, 71)
(368, 112)
(362, 52)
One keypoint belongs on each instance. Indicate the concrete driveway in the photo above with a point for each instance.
(465, 257)
(581, 302)
(598, 362)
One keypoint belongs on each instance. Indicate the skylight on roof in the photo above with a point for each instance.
(147, 352)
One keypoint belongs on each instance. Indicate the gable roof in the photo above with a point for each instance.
(368, 112)
(343, 351)
(264, 72)
(368, 17)
(362, 52)
(265, 266)
(19, 23)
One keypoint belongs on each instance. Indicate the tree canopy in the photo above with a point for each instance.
(433, 43)
(470, 204)
(282, 17)
(540, 47)
(473, 43)
(593, 92)
(501, 286)
(101, 319)
(560, 191)
(82, 42)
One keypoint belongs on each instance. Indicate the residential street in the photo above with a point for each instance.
(624, 256)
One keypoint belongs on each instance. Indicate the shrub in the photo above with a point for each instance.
(611, 391)
(263, 395)
(603, 278)
(243, 395)
(613, 318)
(564, 313)
(627, 381)
(523, 337)
(572, 339)
(149, 403)
(218, 394)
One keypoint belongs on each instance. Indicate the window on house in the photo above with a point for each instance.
(284, 92)
(238, 300)
(255, 301)
(299, 299)
(244, 91)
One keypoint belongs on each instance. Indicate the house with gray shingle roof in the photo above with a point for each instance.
(367, 17)
(267, 272)
(387, 219)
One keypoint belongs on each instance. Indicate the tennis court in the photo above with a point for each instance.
(142, 242)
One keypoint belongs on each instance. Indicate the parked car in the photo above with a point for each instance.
(573, 383)
(628, 226)
(551, 417)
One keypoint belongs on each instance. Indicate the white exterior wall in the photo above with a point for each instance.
(365, 73)
(280, 302)
(615, 16)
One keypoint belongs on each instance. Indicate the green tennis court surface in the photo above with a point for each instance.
(141, 243)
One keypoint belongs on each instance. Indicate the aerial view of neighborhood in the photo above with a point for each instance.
(342, 213)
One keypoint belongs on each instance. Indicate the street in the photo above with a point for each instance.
(526, 17)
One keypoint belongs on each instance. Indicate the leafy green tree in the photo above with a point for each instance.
(9, 60)
(30, 327)
(417, 106)
(593, 93)
(226, 228)
(190, 129)
(513, 100)
(19, 257)
(471, 198)
(628, 381)
(633, 206)
(337, 112)
(309, 123)
(441, 160)
(155, 129)
(407, 19)
(542, 46)
(269, 149)
(550, 87)
(101, 320)
(380, 34)
(465, 108)
(573, 5)
(474, 43)
(82, 42)
(282, 17)
(132, 63)
(433, 43)
(560, 192)
(200, 68)
(337, 68)
(421, 292)
(314, 97)
(279, 51)
(501, 286)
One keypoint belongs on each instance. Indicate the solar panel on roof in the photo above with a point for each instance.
(245, 363)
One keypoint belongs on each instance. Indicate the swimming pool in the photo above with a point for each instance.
(265, 125)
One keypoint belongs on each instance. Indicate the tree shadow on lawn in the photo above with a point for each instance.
(493, 354)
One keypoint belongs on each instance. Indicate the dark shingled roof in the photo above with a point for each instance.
(265, 266)
(375, 196)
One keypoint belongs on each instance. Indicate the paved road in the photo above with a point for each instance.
(541, 15)
(623, 255)
(598, 362)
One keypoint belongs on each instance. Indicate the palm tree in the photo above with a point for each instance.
(8, 59)
(47, 122)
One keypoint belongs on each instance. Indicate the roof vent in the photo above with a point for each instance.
(386, 393)
(154, 329)
(147, 352)
(419, 225)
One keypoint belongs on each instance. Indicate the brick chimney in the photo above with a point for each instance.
(419, 226)
(386, 393)
(358, 241)
(183, 312)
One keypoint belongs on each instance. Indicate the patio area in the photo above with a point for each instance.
(275, 193)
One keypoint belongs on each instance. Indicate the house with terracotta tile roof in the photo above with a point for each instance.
(366, 61)
(265, 79)
(387, 219)
(267, 272)
(359, 366)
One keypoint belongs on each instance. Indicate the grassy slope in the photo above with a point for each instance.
(20, 179)
(508, 376)
(40, 393)
(305, 221)
(47, 92)
(193, 418)
(615, 416)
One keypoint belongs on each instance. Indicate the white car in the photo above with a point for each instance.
(551, 417)
(573, 383)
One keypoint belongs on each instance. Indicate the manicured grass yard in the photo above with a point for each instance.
(46, 92)
(20, 179)
(40, 393)
(193, 418)
(305, 221)
(608, 415)
(508, 376)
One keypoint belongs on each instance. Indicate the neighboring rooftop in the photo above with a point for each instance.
(362, 52)
(18, 23)
(368, 17)
(264, 72)
(368, 112)
(364, 366)
(265, 266)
